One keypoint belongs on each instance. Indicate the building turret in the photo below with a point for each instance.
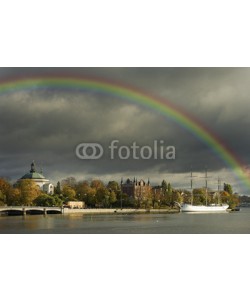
(33, 167)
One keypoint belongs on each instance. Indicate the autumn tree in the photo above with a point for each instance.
(82, 189)
(2, 199)
(157, 197)
(97, 184)
(233, 201)
(14, 197)
(176, 197)
(228, 197)
(69, 193)
(143, 197)
(186, 196)
(29, 191)
(90, 197)
(4, 189)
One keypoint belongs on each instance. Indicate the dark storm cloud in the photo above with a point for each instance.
(46, 125)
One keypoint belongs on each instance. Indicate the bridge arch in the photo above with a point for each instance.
(15, 210)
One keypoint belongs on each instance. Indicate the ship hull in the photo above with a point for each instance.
(203, 208)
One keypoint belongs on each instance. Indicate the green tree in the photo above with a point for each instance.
(170, 200)
(58, 189)
(48, 200)
(199, 196)
(102, 197)
(165, 193)
(164, 186)
(112, 198)
(82, 190)
(113, 186)
(90, 198)
(228, 188)
(69, 193)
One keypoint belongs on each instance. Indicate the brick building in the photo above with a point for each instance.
(138, 190)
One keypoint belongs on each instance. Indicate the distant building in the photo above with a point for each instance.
(44, 184)
(75, 204)
(138, 190)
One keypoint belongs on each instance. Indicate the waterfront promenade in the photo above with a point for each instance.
(23, 210)
(117, 211)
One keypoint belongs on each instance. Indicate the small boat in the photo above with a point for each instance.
(237, 208)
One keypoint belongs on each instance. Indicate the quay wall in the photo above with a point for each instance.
(116, 211)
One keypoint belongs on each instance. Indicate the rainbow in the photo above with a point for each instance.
(157, 104)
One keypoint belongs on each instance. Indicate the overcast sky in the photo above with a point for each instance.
(47, 125)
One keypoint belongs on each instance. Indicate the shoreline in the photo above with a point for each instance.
(98, 211)
(13, 211)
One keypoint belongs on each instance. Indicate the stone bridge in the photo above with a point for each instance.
(30, 209)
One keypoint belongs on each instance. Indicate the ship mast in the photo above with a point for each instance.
(191, 187)
(206, 184)
(219, 189)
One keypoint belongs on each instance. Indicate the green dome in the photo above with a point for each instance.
(33, 175)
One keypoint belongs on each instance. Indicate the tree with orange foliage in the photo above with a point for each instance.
(4, 189)
(29, 191)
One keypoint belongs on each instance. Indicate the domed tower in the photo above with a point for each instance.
(43, 183)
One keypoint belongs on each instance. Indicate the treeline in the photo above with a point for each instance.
(96, 194)
(27, 193)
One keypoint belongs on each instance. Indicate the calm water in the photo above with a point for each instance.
(234, 222)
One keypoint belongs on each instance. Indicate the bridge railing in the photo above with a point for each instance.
(25, 209)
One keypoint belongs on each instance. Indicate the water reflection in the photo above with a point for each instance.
(236, 222)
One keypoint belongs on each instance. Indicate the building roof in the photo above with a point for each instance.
(33, 174)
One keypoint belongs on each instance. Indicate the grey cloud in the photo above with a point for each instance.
(46, 125)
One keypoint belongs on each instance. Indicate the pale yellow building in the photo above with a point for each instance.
(76, 204)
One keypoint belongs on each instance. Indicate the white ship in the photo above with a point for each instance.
(186, 207)
(203, 208)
